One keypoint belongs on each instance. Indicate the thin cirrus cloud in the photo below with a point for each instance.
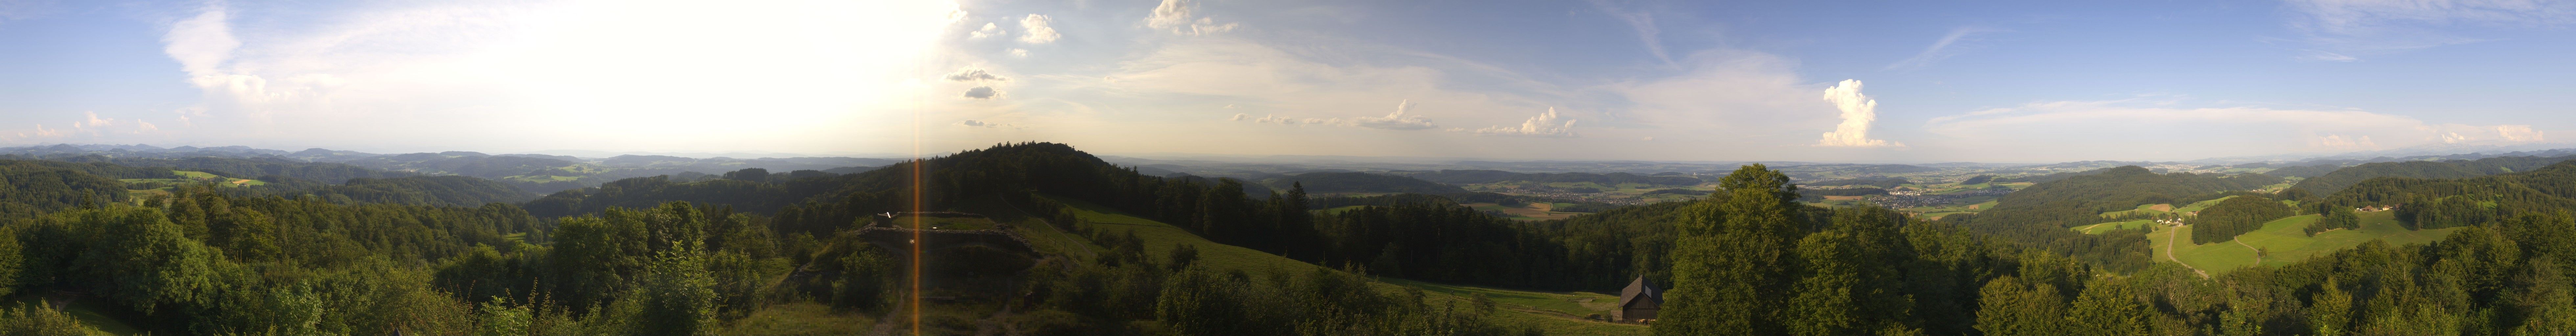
(1397, 120)
(1941, 48)
(2346, 27)
(1858, 111)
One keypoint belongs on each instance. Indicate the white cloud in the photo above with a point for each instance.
(1940, 48)
(1240, 117)
(1038, 31)
(974, 75)
(91, 119)
(1394, 121)
(983, 92)
(145, 126)
(1020, 53)
(1177, 17)
(1544, 125)
(2518, 133)
(989, 30)
(1858, 111)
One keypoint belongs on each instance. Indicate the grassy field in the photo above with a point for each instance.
(2107, 227)
(2284, 241)
(1523, 308)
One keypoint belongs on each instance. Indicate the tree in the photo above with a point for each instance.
(2010, 307)
(2330, 309)
(2107, 308)
(1729, 256)
(152, 263)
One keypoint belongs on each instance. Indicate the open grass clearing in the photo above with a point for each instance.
(2284, 241)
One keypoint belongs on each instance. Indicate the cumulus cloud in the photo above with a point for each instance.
(1858, 111)
(2518, 133)
(983, 92)
(91, 119)
(1240, 117)
(1546, 125)
(1037, 30)
(1178, 17)
(989, 30)
(1395, 121)
(1020, 53)
(974, 75)
(145, 126)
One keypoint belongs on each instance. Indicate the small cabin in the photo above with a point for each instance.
(1639, 301)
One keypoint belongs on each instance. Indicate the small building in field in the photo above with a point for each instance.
(1639, 301)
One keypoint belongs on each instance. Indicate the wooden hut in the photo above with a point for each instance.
(1638, 302)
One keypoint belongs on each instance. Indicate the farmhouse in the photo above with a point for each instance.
(1639, 302)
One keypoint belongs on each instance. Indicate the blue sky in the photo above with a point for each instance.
(1654, 80)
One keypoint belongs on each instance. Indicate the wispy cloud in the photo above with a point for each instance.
(1398, 120)
(2347, 27)
(1940, 49)
(1858, 111)
(1641, 21)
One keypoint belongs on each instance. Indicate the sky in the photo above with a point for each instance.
(2002, 81)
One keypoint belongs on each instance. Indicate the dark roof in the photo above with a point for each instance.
(1640, 289)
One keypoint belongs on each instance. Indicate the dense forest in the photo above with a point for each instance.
(2236, 216)
(1348, 182)
(1455, 176)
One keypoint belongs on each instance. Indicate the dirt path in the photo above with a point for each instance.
(2258, 253)
(2175, 234)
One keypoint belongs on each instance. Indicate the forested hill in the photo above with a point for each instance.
(2039, 215)
(248, 168)
(1348, 182)
(38, 186)
(1494, 176)
(2346, 177)
(2441, 203)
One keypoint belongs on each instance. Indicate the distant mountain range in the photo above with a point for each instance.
(539, 173)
